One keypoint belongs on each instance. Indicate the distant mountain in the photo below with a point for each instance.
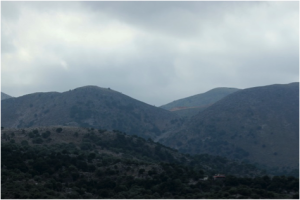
(259, 124)
(88, 106)
(4, 96)
(190, 106)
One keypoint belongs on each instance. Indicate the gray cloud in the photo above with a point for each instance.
(9, 11)
(7, 45)
(155, 52)
(174, 19)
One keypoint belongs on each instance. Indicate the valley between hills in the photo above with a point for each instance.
(93, 142)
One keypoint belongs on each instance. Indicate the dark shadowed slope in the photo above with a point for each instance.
(190, 106)
(73, 163)
(4, 96)
(258, 124)
(88, 106)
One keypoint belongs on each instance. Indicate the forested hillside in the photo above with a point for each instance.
(71, 162)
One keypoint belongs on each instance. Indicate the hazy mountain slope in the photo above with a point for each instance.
(87, 106)
(200, 100)
(4, 96)
(190, 106)
(258, 124)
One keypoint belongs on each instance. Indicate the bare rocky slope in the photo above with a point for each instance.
(259, 124)
(88, 106)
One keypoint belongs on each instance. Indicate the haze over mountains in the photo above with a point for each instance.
(258, 125)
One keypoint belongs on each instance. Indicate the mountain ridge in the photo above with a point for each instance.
(259, 124)
(87, 106)
(206, 98)
(189, 106)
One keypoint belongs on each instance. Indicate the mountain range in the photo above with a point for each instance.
(259, 124)
(88, 106)
(256, 125)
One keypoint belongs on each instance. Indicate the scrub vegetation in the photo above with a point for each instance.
(70, 162)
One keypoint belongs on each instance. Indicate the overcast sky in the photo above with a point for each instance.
(155, 52)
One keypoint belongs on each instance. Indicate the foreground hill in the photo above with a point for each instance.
(72, 162)
(121, 145)
(258, 124)
(190, 106)
(88, 106)
(4, 96)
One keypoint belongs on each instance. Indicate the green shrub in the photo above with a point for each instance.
(46, 134)
(38, 140)
(24, 143)
(59, 130)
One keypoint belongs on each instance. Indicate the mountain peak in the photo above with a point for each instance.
(91, 87)
(88, 106)
(94, 88)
